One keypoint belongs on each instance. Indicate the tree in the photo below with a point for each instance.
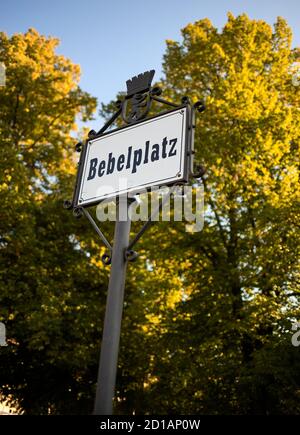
(50, 294)
(207, 318)
(226, 346)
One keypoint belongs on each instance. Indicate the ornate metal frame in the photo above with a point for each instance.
(133, 109)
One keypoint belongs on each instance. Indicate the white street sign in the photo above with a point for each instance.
(130, 159)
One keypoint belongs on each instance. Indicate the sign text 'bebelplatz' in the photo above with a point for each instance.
(152, 152)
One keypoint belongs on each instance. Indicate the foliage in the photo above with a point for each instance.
(51, 295)
(225, 344)
(207, 318)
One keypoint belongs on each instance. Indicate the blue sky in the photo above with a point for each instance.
(113, 40)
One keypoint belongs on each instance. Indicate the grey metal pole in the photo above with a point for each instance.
(113, 316)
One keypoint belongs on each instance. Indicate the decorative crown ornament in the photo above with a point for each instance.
(138, 100)
(140, 83)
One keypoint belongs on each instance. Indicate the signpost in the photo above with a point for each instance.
(143, 153)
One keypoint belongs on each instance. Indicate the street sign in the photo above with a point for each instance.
(154, 152)
(146, 152)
